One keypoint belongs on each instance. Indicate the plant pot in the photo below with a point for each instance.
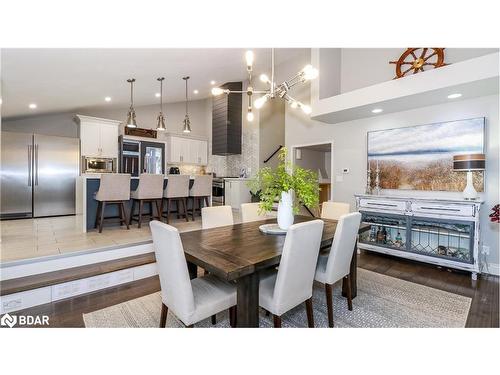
(285, 210)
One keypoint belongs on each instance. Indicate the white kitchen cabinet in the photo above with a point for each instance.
(236, 192)
(203, 152)
(109, 140)
(98, 137)
(174, 150)
(186, 150)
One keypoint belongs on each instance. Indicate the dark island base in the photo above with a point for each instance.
(111, 211)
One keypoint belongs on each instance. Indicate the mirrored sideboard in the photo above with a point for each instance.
(437, 231)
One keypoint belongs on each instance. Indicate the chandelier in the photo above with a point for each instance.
(274, 90)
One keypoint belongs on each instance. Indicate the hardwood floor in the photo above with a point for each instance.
(484, 310)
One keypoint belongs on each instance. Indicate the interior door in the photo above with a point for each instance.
(54, 175)
(16, 174)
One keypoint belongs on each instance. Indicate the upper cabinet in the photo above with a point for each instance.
(186, 150)
(226, 121)
(98, 136)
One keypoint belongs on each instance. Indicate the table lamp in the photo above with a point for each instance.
(468, 163)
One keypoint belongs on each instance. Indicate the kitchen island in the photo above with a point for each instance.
(87, 186)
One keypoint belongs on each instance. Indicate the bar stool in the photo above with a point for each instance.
(177, 191)
(200, 191)
(114, 188)
(150, 190)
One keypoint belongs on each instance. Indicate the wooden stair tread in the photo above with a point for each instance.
(22, 284)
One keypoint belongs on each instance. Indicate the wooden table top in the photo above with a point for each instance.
(231, 252)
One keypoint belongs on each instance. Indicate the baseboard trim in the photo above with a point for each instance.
(493, 269)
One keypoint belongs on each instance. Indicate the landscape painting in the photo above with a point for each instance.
(421, 157)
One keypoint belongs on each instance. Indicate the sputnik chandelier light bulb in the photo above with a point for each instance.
(274, 91)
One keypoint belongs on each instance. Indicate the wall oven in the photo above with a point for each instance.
(218, 191)
(98, 165)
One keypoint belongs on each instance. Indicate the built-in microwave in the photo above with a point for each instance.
(98, 165)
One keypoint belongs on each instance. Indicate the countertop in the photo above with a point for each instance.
(87, 176)
(237, 178)
(420, 198)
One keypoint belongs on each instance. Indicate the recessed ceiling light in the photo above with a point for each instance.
(212, 82)
(454, 96)
(32, 106)
(107, 98)
(195, 91)
(157, 94)
(377, 110)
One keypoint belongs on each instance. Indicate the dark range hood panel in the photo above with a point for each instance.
(226, 121)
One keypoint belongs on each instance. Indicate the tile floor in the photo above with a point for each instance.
(33, 238)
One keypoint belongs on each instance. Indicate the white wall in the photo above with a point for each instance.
(60, 124)
(350, 151)
(271, 131)
(315, 161)
(346, 69)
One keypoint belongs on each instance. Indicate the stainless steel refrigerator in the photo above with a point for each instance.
(38, 175)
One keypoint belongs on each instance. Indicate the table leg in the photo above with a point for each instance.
(248, 301)
(193, 270)
(352, 274)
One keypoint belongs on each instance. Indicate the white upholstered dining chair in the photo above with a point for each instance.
(190, 300)
(250, 212)
(282, 290)
(216, 216)
(334, 210)
(335, 265)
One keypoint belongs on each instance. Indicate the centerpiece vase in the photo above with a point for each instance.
(285, 210)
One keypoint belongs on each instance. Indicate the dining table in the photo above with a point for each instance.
(238, 253)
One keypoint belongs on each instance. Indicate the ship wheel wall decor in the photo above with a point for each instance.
(415, 60)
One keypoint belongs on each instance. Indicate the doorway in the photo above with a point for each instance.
(319, 158)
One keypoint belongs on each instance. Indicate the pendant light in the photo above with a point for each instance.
(131, 122)
(187, 122)
(160, 121)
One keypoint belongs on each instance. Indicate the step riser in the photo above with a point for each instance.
(13, 270)
(35, 297)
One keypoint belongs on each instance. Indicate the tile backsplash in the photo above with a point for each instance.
(189, 169)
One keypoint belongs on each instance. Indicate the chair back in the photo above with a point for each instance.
(150, 186)
(294, 282)
(177, 186)
(250, 212)
(334, 210)
(114, 187)
(339, 260)
(176, 289)
(202, 186)
(217, 216)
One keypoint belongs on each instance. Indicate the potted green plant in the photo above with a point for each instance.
(289, 184)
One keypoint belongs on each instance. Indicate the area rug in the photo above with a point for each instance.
(382, 301)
